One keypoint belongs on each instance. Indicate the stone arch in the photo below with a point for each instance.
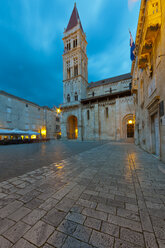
(128, 126)
(72, 127)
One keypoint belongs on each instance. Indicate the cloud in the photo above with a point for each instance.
(131, 4)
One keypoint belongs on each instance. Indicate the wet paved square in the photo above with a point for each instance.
(110, 195)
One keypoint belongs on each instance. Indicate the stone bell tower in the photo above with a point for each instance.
(75, 61)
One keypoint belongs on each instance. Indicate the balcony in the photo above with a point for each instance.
(151, 28)
(143, 61)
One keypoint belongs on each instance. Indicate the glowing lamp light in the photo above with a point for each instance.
(43, 132)
(130, 121)
(33, 137)
(58, 110)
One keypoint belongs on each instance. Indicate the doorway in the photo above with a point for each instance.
(155, 135)
(72, 127)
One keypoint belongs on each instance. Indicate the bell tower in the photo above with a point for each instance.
(75, 61)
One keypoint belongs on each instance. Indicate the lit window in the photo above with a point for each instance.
(88, 115)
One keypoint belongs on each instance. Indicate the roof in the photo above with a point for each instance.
(110, 80)
(74, 20)
(109, 96)
(19, 98)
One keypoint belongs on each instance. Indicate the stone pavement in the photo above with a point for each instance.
(110, 196)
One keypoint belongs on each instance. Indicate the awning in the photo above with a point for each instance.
(17, 132)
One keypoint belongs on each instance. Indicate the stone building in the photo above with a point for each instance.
(102, 110)
(20, 114)
(148, 71)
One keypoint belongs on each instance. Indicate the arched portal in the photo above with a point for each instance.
(72, 127)
(128, 126)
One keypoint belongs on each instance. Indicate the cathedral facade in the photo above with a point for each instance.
(102, 110)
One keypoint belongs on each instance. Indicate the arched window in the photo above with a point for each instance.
(68, 98)
(76, 96)
(88, 115)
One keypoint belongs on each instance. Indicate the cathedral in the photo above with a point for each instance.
(102, 110)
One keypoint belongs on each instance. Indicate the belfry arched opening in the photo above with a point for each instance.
(72, 127)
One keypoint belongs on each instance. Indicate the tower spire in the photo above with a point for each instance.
(74, 19)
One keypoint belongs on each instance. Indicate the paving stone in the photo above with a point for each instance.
(54, 217)
(5, 224)
(76, 209)
(124, 244)
(16, 231)
(34, 216)
(132, 236)
(161, 243)
(106, 208)
(22, 243)
(65, 204)
(49, 204)
(35, 203)
(67, 227)
(9, 209)
(29, 196)
(72, 242)
(82, 233)
(61, 193)
(128, 214)
(57, 239)
(145, 221)
(150, 240)
(110, 229)
(101, 240)
(4, 243)
(76, 217)
(94, 213)
(19, 214)
(93, 223)
(39, 233)
(117, 220)
(86, 203)
(131, 207)
(47, 246)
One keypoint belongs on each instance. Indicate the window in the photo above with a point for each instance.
(68, 98)
(68, 45)
(75, 70)
(68, 73)
(57, 127)
(8, 117)
(68, 69)
(106, 112)
(75, 43)
(110, 90)
(88, 115)
(57, 119)
(76, 96)
(75, 61)
(26, 105)
(93, 93)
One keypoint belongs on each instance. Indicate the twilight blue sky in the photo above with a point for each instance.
(31, 44)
